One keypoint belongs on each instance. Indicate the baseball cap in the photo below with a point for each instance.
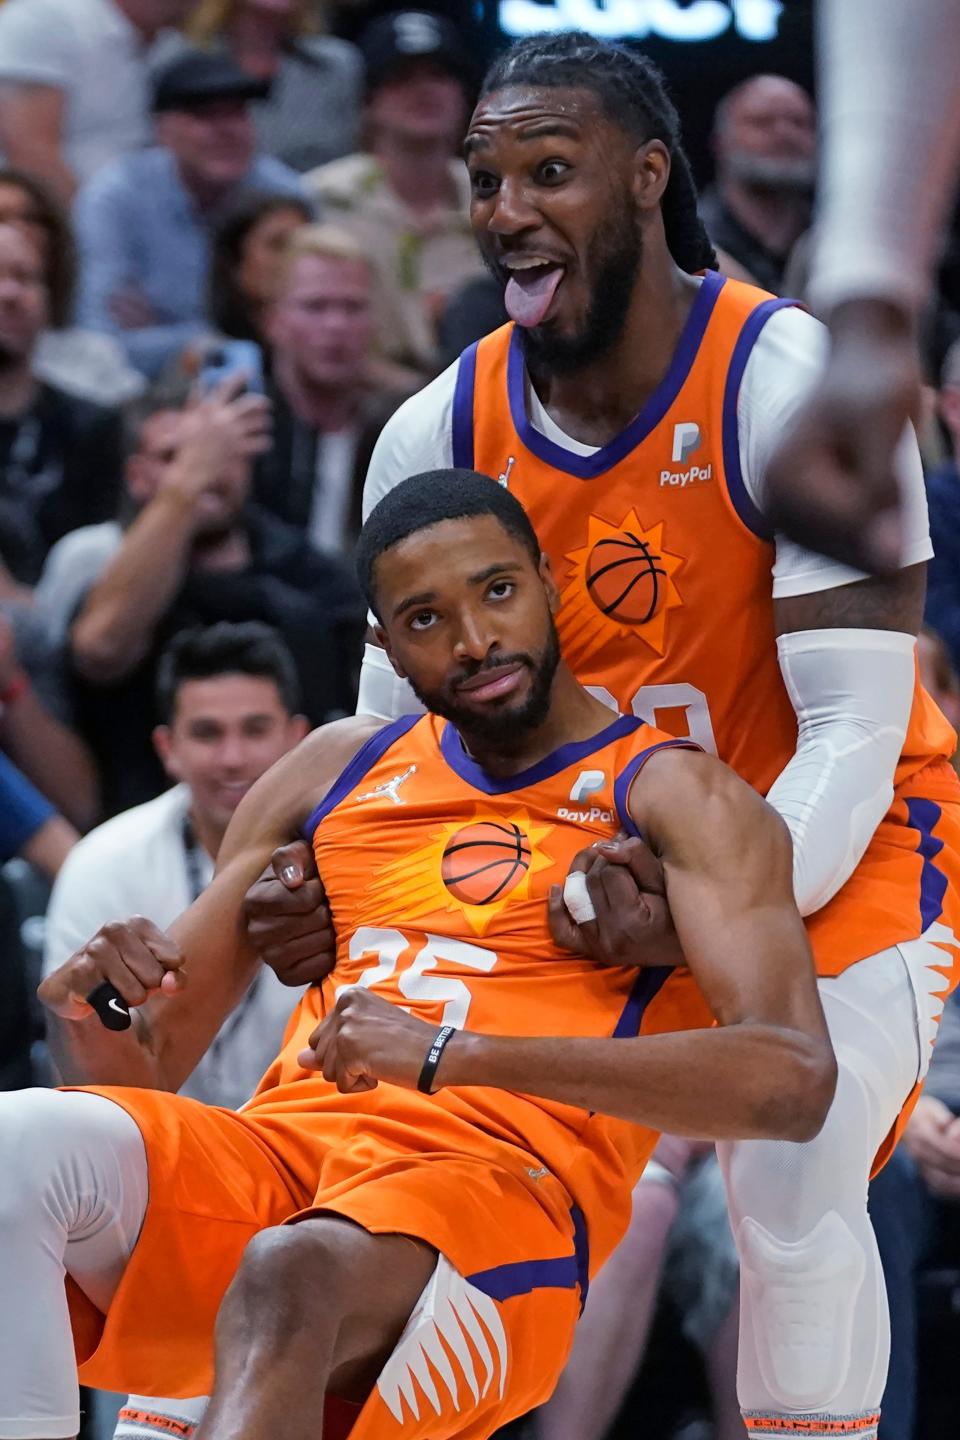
(195, 76)
(412, 35)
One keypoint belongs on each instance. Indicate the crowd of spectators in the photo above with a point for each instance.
(220, 274)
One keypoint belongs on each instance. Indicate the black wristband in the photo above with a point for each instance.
(425, 1083)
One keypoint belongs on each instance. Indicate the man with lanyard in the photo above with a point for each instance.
(229, 698)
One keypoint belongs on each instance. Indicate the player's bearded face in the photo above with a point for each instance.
(602, 285)
(505, 722)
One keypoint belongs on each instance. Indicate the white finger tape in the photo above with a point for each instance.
(576, 897)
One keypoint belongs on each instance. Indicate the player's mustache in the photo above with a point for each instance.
(492, 662)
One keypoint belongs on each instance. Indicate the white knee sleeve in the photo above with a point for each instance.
(814, 1326)
(802, 1298)
(73, 1194)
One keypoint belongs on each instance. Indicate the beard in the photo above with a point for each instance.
(790, 177)
(613, 260)
(505, 726)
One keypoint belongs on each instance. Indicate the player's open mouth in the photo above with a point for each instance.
(532, 285)
(492, 684)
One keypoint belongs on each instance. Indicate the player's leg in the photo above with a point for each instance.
(314, 1306)
(814, 1333)
(73, 1194)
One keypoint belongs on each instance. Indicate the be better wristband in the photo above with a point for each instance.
(425, 1083)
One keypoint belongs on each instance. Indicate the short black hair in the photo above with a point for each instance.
(246, 648)
(632, 94)
(427, 499)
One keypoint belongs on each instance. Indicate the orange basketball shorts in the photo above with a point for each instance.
(489, 1336)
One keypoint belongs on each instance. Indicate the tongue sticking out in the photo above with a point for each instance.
(529, 293)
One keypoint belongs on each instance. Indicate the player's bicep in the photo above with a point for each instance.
(893, 602)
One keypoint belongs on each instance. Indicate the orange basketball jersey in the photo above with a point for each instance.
(664, 568)
(438, 878)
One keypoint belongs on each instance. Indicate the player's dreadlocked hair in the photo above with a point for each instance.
(632, 93)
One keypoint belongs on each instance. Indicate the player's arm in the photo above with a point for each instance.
(847, 658)
(185, 983)
(415, 439)
(766, 1071)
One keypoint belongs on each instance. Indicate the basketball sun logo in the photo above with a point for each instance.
(473, 869)
(620, 585)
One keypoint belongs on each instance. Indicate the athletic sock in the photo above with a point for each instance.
(762, 1425)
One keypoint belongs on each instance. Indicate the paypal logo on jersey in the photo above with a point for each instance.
(588, 782)
(686, 438)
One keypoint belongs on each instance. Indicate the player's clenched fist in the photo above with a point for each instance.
(613, 908)
(288, 919)
(133, 955)
(365, 1040)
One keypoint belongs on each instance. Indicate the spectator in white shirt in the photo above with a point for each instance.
(73, 83)
(229, 695)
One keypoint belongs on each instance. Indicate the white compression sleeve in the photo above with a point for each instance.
(852, 691)
(382, 693)
(889, 110)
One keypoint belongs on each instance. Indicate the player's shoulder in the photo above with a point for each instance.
(790, 350)
(300, 781)
(418, 436)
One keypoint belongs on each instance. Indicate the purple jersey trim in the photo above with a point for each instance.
(355, 769)
(468, 769)
(519, 1277)
(462, 419)
(646, 987)
(621, 786)
(923, 816)
(587, 467)
(732, 470)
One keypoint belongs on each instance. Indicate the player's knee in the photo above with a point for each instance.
(295, 1274)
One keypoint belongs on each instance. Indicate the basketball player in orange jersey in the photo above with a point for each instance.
(632, 405)
(448, 1229)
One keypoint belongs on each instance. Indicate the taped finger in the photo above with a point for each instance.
(576, 897)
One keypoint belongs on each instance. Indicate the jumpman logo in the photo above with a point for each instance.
(389, 787)
(504, 477)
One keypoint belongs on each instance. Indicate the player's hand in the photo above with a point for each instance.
(933, 1139)
(134, 956)
(366, 1039)
(287, 917)
(831, 485)
(632, 925)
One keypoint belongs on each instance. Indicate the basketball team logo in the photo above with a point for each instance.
(482, 863)
(620, 585)
(473, 867)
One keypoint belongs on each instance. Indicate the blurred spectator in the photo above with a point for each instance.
(227, 698)
(943, 499)
(328, 412)
(764, 142)
(247, 263)
(312, 112)
(407, 200)
(60, 456)
(46, 750)
(144, 224)
(915, 1209)
(81, 361)
(73, 83)
(937, 675)
(30, 825)
(191, 550)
